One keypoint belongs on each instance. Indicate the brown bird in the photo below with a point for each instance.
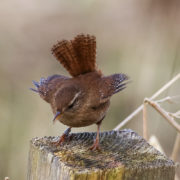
(84, 98)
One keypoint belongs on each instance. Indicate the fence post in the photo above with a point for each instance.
(124, 155)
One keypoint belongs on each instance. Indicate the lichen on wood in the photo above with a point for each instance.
(124, 155)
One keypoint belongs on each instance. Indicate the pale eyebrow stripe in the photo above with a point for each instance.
(75, 96)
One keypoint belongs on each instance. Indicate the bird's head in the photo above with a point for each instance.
(66, 100)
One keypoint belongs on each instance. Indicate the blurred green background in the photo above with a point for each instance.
(139, 38)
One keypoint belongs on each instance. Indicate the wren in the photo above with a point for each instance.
(84, 98)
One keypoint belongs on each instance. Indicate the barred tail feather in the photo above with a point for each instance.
(63, 54)
(78, 56)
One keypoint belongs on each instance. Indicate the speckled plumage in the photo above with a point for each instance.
(85, 98)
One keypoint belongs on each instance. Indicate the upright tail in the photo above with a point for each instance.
(78, 56)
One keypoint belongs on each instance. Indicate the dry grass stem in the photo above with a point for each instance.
(165, 114)
(175, 115)
(172, 99)
(145, 132)
(155, 95)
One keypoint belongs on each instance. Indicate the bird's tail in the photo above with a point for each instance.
(78, 56)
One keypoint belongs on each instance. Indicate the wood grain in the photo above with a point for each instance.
(124, 155)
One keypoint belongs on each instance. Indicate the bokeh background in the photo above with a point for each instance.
(139, 38)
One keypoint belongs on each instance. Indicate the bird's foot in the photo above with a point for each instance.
(60, 140)
(63, 138)
(95, 146)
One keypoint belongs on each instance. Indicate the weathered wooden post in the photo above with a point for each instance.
(124, 155)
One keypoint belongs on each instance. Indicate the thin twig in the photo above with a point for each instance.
(164, 114)
(172, 81)
(175, 115)
(170, 99)
(145, 131)
(133, 114)
(128, 119)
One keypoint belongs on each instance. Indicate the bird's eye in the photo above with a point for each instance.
(94, 107)
(70, 106)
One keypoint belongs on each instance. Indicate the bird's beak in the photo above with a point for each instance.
(57, 115)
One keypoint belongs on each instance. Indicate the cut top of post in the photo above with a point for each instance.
(124, 154)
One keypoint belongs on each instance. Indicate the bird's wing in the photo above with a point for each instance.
(47, 86)
(113, 84)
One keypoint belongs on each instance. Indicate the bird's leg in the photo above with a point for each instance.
(63, 137)
(95, 146)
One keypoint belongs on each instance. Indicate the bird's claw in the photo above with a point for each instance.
(95, 147)
(63, 138)
(60, 140)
